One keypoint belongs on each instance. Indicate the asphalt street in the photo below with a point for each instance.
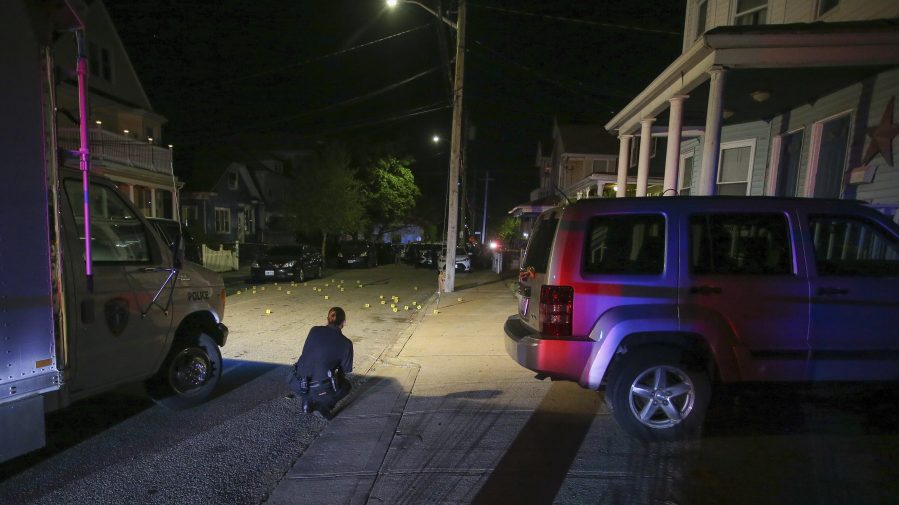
(441, 414)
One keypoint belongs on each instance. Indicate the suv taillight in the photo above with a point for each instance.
(556, 310)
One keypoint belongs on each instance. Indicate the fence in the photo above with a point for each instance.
(222, 260)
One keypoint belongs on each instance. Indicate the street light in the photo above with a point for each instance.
(436, 139)
(452, 225)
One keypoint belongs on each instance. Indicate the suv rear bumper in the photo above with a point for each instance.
(561, 359)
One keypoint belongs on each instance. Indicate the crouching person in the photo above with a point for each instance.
(318, 378)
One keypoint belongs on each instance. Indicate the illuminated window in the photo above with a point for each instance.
(734, 167)
(222, 220)
(751, 12)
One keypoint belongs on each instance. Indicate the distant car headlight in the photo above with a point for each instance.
(290, 264)
(255, 264)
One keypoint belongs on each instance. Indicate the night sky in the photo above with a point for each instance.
(221, 71)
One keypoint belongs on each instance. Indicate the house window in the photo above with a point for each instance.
(222, 220)
(143, 200)
(164, 204)
(232, 180)
(106, 67)
(93, 59)
(751, 12)
(604, 167)
(189, 214)
(635, 150)
(702, 17)
(249, 219)
(734, 167)
(825, 6)
(686, 174)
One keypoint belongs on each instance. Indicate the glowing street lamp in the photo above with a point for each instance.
(436, 139)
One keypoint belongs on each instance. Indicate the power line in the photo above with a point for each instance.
(613, 26)
(290, 66)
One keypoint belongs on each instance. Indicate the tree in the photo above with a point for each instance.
(510, 229)
(390, 192)
(329, 198)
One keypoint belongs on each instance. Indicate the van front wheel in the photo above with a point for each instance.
(189, 373)
(655, 395)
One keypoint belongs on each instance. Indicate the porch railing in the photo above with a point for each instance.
(109, 146)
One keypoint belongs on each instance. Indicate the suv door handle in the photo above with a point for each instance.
(833, 291)
(705, 290)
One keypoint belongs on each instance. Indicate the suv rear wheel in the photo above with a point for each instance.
(655, 395)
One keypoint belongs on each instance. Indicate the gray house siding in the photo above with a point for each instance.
(865, 101)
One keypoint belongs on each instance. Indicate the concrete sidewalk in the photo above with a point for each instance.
(430, 417)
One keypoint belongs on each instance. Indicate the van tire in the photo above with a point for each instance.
(644, 386)
(189, 374)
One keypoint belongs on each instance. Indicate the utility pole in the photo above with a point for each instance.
(452, 224)
(487, 180)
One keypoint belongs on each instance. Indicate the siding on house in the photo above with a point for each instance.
(866, 100)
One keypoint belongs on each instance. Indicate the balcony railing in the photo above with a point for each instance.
(109, 146)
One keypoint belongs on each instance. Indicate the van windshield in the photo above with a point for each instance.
(540, 245)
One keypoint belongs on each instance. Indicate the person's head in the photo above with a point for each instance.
(336, 317)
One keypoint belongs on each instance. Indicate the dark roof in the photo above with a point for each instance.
(587, 139)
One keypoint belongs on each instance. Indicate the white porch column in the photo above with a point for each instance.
(624, 151)
(711, 146)
(672, 154)
(645, 151)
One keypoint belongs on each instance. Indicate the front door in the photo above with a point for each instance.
(742, 284)
(855, 298)
(120, 332)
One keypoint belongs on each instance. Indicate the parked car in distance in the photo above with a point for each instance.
(463, 260)
(356, 253)
(386, 253)
(656, 300)
(288, 262)
(169, 229)
(428, 255)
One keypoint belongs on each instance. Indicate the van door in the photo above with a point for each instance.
(120, 333)
(742, 286)
(855, 298)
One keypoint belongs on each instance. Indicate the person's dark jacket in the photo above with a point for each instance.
(326, 348)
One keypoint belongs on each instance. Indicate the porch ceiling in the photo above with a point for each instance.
(795, 64)
(787, 88)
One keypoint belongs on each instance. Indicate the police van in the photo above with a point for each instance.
(91, 296)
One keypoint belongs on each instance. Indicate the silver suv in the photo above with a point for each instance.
(657, 299)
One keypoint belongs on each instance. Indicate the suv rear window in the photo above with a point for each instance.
(627, 244)
(742, 244)
(540, 245)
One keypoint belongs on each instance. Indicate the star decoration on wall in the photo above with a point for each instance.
(882, 136)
